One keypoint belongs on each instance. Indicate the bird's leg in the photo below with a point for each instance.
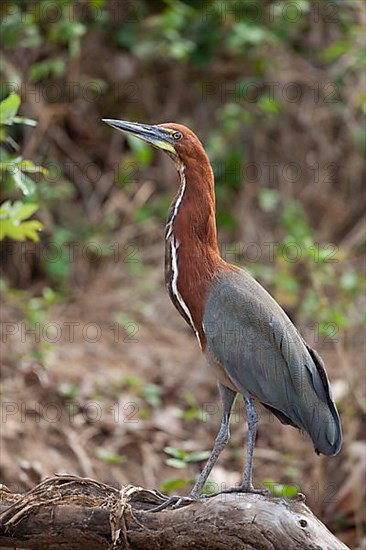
(252, 418)
(247, 486)
(227, 397)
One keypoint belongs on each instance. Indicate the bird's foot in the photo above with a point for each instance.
(175, 502)
(247, 488)
(243, 488)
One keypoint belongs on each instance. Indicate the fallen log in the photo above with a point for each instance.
(76, 513)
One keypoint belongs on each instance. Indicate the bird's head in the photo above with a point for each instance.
(177, 140)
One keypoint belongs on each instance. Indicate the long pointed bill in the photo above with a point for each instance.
(159, 137)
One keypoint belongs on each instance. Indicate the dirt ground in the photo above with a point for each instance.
(106, 403)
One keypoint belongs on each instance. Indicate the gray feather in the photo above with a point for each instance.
(262, 352)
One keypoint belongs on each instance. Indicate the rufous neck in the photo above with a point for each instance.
(192, 257)
(193, 210)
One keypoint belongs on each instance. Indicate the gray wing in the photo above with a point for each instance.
(263, 353)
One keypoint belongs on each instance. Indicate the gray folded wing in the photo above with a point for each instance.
(263, 353)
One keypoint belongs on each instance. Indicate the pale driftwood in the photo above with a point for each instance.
(78, 513)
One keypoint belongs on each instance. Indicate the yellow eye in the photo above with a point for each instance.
(177, 136)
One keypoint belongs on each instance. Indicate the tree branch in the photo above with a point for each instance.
(80, 512)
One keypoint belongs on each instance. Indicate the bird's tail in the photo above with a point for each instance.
(324, 428)
(319, 414)
(314, 410)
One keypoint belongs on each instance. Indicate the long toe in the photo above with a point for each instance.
(265, 492)
(209, 495)
(184, 501)
(244, 489)
(174, 502)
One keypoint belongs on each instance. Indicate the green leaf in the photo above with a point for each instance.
(24, 183)
(31, 168)
(9, 108)
(198, 456)
(281, 489)
(25, 120)
(177, 453)
(11, 224)
(20, 232)
(30, 229)
(25, 211)
(181, 457)
(176, 463)
(108, 456)
(5, 209)
(10, 164)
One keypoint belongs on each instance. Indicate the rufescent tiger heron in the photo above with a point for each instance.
(248, 339)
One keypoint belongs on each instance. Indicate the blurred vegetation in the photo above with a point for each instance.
(229, 48)
(14, 172)
(228, 54)
(214, 65)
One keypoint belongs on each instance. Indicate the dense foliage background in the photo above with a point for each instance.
(94, 354)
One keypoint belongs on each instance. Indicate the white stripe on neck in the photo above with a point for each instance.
(174, 245)
(182, 188)
(174, 287)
